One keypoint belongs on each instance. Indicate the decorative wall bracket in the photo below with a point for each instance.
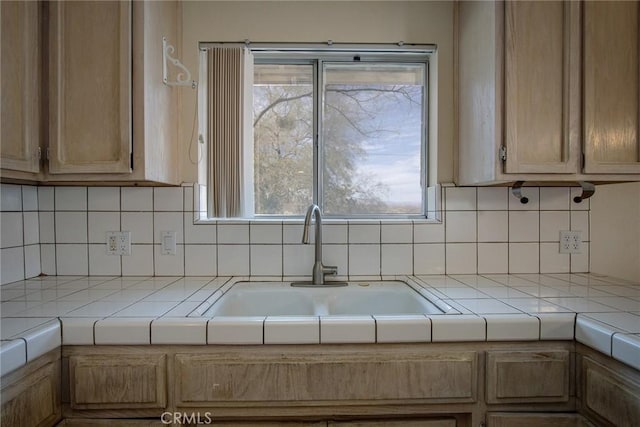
(517, 192)
(587, 191)
(183, 78)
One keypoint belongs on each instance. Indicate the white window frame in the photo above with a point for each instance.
(319, 53)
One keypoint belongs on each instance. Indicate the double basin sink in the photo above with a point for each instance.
(355, 298)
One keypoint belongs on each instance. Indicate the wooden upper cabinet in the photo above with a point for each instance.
(20, 80)
(611, 87)
(542, 70)
(90, 77)
(547, 91)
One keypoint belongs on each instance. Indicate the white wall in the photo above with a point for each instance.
(615, 231)
(419, 22)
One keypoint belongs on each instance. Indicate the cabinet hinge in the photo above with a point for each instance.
(502, 153)
(39, 153)
(46, 154)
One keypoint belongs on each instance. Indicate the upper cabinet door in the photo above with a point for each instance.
(611, 87)
(20, 81)
(541, 93)
(90, 87)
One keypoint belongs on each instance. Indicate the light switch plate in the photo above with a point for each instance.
(168, 242)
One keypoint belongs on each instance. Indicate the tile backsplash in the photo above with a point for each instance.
(61, 230)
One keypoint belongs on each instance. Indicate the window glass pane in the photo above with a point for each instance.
(283, 138)
(372, 139)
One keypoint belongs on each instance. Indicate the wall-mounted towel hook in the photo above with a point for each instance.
(517, 192)
(182, 78)
(587, 191)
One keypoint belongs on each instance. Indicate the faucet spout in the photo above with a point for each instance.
(319, 269)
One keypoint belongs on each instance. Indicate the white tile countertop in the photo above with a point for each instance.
(40, 314)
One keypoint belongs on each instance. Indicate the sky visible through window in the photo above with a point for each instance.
(371, 141)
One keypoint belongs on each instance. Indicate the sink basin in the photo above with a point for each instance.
(357, 298)
(258, 299)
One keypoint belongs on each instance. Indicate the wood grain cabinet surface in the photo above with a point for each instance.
(108, 382)
(90, 87)
(536, 420)
(106, 115)
(528, 376)
(20, 77)
(612, 87)
(423, 422)
(559, 384)
(612, 397)
(31, 395)
(202, 380)
(547, 91)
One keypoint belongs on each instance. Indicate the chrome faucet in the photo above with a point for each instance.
(319, 270)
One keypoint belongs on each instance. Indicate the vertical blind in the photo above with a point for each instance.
(225, 76)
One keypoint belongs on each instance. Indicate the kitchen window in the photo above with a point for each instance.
(342, 128)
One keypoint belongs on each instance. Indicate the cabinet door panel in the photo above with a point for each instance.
(527, 376)
(117, 382)
(20, 76)
(90, 90)
(541, 111)
(611, 87)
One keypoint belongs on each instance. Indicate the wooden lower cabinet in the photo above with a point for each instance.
(528, 376)
(609, 391)
(31, 394)
(536, 420)
(121, 382)
(347, 377)
(395, 385)
(84, 422)
(424, 422)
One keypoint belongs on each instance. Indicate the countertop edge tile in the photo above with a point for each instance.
(43, 339)
(13, 355)
(595, 334)
(626, 348)
(179, 330)
(109, 331)
(78, 330)
(512, 327)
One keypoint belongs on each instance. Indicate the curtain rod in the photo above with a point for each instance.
(329, 45)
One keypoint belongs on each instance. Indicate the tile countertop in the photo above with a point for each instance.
(40, 314)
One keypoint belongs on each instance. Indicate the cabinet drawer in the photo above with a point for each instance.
(528, 376)
(609, 395)
(203, 379)
(433, 422)
(535, 420)
(118, 381)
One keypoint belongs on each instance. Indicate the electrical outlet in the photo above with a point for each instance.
(118, 243)
(570, 242)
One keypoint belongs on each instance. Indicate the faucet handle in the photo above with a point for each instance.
(331, 270)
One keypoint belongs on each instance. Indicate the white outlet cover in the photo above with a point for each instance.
(124, 243)
(118, 242)
(570, 242)
(112, 242)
